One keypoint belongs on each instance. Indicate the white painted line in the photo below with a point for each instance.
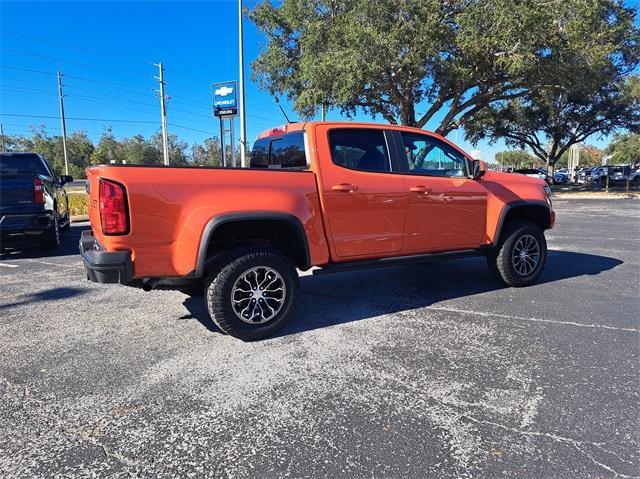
(535, 320)
(6, 265)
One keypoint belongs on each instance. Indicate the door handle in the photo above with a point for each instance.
(346, 187)
(420, 189)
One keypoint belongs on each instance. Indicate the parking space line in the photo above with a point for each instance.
(534, 320)
(6, 265)
(37, 261)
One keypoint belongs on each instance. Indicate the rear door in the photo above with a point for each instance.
(446, 209)
(363, 201)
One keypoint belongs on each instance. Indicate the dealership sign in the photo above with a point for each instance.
(225, 99)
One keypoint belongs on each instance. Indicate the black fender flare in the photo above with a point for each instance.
(516, 204)
(216, 222)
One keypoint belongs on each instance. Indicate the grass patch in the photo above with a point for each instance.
(78, 204)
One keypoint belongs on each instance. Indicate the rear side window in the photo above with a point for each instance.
(360, 149)
(286, 151)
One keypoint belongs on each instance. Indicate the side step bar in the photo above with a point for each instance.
(397, 260)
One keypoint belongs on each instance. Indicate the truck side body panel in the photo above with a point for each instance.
(169, 209)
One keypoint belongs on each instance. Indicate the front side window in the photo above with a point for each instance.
(359, 149)
(429, 156)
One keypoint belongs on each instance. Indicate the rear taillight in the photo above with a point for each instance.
(38, 191)
(113, 208)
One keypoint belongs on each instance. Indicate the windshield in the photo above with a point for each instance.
(14, 164)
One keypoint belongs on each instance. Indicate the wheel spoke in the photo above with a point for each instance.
(264, 297)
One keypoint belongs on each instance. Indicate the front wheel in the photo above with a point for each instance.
(253, 294)
(520, 255)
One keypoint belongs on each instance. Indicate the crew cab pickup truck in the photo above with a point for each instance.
(334, 196)
(33, 201)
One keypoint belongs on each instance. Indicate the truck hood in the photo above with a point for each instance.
(512, 178)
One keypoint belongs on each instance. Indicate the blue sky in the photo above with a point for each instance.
(106, 51)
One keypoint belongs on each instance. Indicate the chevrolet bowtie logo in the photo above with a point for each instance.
(223, 91)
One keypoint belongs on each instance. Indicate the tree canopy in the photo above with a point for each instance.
(625, 149)
(429, 62)
(517, 159)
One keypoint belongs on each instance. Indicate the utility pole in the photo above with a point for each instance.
(64, 124)
(2, 134)
(243, 122)
(324, 111)
(163, 114)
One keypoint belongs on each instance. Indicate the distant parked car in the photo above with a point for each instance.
(33, 201)
(634, 177)
(560, 177)
(619, 173)
(599, 173)
(583, 175)
(534, 173)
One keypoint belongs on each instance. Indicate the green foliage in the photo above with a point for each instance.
(78, 204)
(625, 149)
(517, 159)
(589, 156)
(591, 88)
(136, 150)
(415, 61)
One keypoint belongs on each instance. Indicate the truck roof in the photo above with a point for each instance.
(300, 126)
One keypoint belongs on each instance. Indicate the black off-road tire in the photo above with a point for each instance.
(220, 283)
(51, 239)
(500, 259)
(67, 222)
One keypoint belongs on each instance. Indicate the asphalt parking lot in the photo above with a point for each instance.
(414, 371)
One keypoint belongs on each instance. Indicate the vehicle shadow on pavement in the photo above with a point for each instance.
(30, 248)
(332, 299)
(52, 294)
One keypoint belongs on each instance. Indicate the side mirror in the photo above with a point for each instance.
(478, 168)
(64, 179)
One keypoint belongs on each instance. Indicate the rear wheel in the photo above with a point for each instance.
(51, 237)
(253, 294)
(520, 255)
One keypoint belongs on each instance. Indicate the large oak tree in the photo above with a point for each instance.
(431, 63)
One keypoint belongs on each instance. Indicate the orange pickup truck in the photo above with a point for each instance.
(331, 195)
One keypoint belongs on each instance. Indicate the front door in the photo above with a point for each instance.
(363, 202)
(446, 209)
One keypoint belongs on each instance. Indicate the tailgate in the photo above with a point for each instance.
(16, 193)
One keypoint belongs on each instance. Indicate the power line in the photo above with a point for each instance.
(113, 84)
(77, 118)
(27, 90)
(27, 70)
(69, 62)
(188, 128)
(66, 45)
(187, 75)
(106, 97)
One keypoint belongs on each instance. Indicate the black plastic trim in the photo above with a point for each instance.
(104, 266)
(214, 223)
(516, 204)
(397, 260)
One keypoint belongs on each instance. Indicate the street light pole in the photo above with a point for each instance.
(243, 124)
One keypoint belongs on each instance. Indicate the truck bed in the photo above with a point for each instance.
(169, 208)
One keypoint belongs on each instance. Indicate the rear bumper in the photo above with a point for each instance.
(33, 223)
(104, 266)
